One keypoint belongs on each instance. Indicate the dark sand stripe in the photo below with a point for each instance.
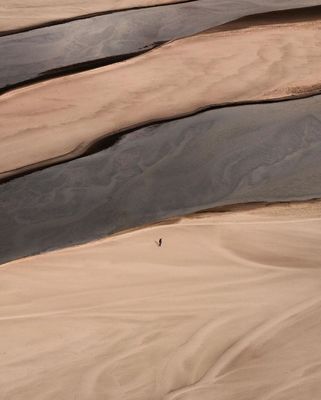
(76, 68)
(255, 153)
(108, 141)
(94, 42)
(64, 13)
(61, 118)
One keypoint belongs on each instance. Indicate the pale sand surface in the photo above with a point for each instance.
(227, 309)
(17, 14)
(63, 115)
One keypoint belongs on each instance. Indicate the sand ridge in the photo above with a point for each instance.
(66, 114)
(218, 157)
(23, 14)
(41, 54)
(18, 15)
(227, 308)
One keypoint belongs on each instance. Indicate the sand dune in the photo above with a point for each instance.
(228, 309)
(21, 14)
(63, 115)
(102, 40)
(217, 157)
(17, 14)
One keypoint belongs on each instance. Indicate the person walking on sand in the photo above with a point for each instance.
(160, 242)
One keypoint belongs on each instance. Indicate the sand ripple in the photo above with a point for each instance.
(203, 317)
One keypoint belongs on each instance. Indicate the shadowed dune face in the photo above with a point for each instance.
(19, 14)
(218, 305)
(176, 79)
(222, 156)
(196, 319)
(102, 40)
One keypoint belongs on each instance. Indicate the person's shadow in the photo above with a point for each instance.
(159, 242)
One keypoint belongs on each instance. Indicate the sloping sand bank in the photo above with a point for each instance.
(66, 114)
(228, 308)
(21, 14)
(17, 14)
(260, 152)
(98, 41)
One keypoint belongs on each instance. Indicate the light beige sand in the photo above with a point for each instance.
(64, 115)
(227, 309)
(17, 14)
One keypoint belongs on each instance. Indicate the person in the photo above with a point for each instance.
(160, 242)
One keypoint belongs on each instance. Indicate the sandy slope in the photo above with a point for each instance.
(221, 156)
(54, 50)
(228, 309)
(15, 14)
(63, 115)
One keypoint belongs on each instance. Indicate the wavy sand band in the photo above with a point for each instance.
(65, 115)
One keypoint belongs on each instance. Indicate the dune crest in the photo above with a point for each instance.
(65, 115)
(160, 216)
(218, 157)
(19, 14)
(40, 54)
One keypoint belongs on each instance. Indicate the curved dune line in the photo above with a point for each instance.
(263, 332)
(23, 14)
(258, 153)
(122, 317)
(58, 119)
(41, 54)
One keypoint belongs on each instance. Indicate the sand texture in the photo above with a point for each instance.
(227, 309)
(216, 157)
(66, 114)
(123, 122)
(94, 42)
(20, 14)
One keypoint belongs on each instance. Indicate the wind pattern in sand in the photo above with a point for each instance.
(160, 221)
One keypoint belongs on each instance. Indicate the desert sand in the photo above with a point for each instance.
(23, 14)
(221, 156)
(228, 308)
(64, 115)
(17, 14)
(98, 41)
